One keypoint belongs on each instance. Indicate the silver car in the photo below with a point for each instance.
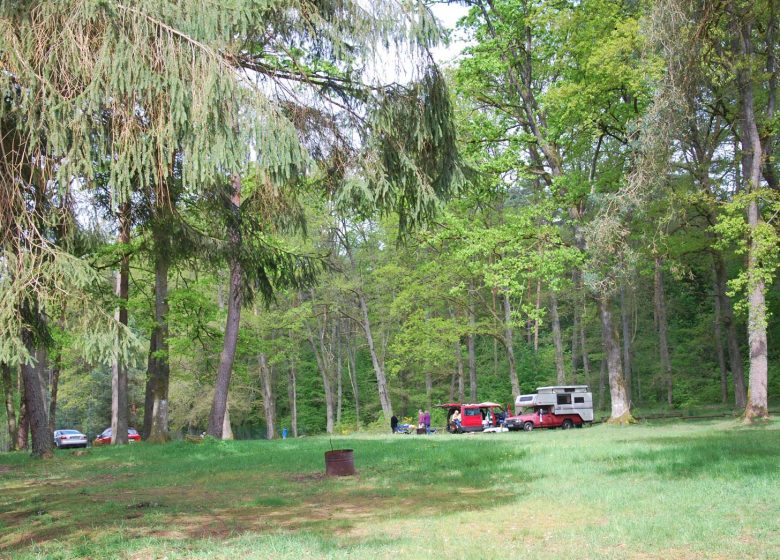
(69, 438)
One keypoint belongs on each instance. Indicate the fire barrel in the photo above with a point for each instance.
(339, 462)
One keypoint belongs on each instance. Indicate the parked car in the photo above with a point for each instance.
(553, 407)
(105, 437)
(69, 438)
(476, 417)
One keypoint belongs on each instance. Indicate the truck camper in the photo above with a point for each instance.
(558, 406)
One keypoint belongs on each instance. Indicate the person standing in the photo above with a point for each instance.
(394, 423)
(427, 422)
(420, 419)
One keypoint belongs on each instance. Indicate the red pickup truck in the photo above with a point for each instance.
(565, 406)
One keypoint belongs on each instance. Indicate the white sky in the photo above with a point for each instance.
(449, 15)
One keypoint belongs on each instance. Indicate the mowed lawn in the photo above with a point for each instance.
(682, 490)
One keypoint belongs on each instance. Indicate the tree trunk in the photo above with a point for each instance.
(292, 395)
(624, 321)
(584, 347)
(510, 346)
(10, 411)
(621, 407)
(752, 156)
(161, 370)
(663, 329)
(575, 327)
(42, 439)
(732, 341)
(119, 409)
(352, 369)
(339, 373)
(470, 341)
(603, 384)
(151, 379)
(267, 387)
(557, 339)
(23, 428)
(324, 364)
(227, 430)
(54, 383)
(381, 380)
(717, 334)
(536, 321)
(458, 349)
(219, 404)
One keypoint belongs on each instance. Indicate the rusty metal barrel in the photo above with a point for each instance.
(339, 462)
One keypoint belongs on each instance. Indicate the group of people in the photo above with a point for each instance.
(423, 422)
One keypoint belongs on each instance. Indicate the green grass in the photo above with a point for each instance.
(708, 489)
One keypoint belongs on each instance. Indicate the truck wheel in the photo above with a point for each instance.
(567, 424)
(528, 426)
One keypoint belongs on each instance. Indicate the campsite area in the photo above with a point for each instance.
(708, 489)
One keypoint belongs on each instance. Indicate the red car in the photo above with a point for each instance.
(105, 437)
(472, 417)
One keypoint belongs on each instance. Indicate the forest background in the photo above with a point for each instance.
(588, 194)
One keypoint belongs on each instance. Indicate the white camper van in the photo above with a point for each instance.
(564, 406)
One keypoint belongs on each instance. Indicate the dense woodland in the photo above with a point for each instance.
(237, 217)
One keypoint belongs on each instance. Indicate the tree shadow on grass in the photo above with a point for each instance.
(727, 455)
(280, 490)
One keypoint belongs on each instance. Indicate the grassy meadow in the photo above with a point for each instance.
(708, 489)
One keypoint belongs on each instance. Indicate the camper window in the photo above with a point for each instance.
(564, 399)
(579, 399)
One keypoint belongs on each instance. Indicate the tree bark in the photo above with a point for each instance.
(324, 364)
(621, 407)
(575, 327)
(603, 384)
(292, 396)
(158, 373)
(23, 427)
(227, 430)
(458, 351)
(151, 378)
(339, 373)
(752, 150)
(624, 321)
(470, 342)
(219, 404)
(560, 368)
(510, 346)
(732, 341)
(35, 397)
(267, 387)
(584, 347)
(718, 336)
(352, 369)
(10, 411)
(54, 383)
(663, 329)
(119, 408)
(536, 321)
(381, 379)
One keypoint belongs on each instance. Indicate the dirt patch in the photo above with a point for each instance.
(308, 477)
(5, 469)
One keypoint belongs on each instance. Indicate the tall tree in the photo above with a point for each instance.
(752, 164)
(10, 409)
(119, 403)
